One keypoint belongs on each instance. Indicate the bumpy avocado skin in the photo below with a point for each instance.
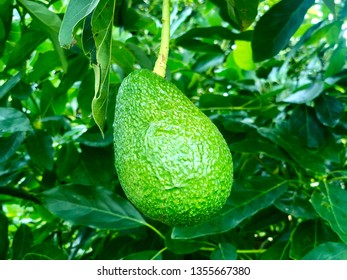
(172, 162)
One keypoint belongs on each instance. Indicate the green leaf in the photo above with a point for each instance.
(6, 11)
(10, 84)
(243, 12)
(275, 28)
(141, 56)
(40, 148)
(134, 20)
(95, 207)
(213, 32)
(331, 5)
(41, 68)
(258, 145)
(328, 251)
(292, 144)
(278, 251)
(48, 22)
(122, 56)
(212, 101)
(9, 145)
(4, 241)
(306, 93)
(22, 242)
(102, 22)
(183, 246)
(207, 61)
(337, 60)
(304, 123)
(330, 202)
(243, 55)
(295, 203)
(302, 239)
(224, 251)
(85, 94)
(329, 32)
(67, 160)
(329, 110)
(144, 255)
(93, 138)
(45, 251)
(12, 120)
(199, 46)
(27, 43)
(75, 12)
(99, 171)
(246, 199)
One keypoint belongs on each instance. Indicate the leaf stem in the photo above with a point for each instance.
(160, 64)
(155, 230)
(158, 253)
(252, 251)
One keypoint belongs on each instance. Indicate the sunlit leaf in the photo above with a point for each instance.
(243, 55)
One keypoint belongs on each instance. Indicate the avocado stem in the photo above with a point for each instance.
(160, 64)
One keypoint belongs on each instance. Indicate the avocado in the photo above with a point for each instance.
(172, 162)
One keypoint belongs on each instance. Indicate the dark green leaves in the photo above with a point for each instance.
(246, 199)
(330, 202)
(22, 242)
(329, 110)
(49, 22)
(4, 241)
(12, 120)
(277, 26)
(224, 251)
(92, 206)
(304, 123)
(243, 12)
(328, 251)
(39, 146)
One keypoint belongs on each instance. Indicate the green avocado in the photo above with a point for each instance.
(172, 162)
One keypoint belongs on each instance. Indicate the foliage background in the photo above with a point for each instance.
(271, 75)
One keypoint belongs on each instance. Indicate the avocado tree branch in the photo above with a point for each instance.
(160, 64)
